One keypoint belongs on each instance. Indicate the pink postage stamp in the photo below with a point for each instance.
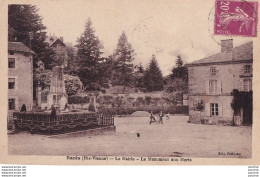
(236, 18)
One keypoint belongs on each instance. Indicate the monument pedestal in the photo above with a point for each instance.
(57, 96)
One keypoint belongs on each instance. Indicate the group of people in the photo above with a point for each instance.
(153, 120)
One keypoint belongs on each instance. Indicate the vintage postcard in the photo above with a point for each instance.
(171, 82)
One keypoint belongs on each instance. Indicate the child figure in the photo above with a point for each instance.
(152, 119)
(168, 116)
(161, 117)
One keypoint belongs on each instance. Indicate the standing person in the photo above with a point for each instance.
(161, 117)
(152, 119)
(168, 116)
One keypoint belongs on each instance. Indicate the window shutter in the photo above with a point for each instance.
(219, 85)
(220, 110)
(16, 104)
(207, 109)
(241, 85)
(207, 87)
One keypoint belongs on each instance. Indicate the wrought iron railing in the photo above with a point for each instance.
(45, 123)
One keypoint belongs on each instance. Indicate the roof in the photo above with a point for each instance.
(52, 40)
(241, 53)
(19, 47)
(57, 41)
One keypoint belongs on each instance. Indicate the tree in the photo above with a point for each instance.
(179, 71)
(88, 54)
(242, 100)
(73, 66)
(139, 76)
(153, 79)
(140, 68)
(176, 85)
(25, 25)
(123, 57)
(106, 72)
(44, 78)
(72, 84)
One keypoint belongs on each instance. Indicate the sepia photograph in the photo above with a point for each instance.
(158, 81)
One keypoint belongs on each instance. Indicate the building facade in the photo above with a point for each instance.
(212, 80)
(60, 49)
(20, 76)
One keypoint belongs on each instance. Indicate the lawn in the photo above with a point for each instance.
(174, 138)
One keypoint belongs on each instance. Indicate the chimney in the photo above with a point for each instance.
(61, 38)
(226, 45)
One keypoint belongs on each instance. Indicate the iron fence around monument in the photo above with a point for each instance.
(45, 123)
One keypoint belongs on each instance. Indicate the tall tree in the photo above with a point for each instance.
(89, 54)
(176, 85)
(73, 66)
(153, 79)
(25, 25)
(123, 57)
(179, 71)
(139, 76)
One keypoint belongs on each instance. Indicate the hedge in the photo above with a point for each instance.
(78, 99)
(154, 109)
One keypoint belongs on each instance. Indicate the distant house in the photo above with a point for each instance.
(20, 76)
(60, 49)
(212, 79)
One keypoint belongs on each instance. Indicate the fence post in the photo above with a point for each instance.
(113, 119)
(49, 117)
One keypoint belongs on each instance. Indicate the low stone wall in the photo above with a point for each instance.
(214, 120)
(94, 131)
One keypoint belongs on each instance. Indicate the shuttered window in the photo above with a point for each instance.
(11, 83)
(213, 86)
(11, 104)
(11, 63)
(213, 71)
(247, 85)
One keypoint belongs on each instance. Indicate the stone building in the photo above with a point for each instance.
(20, 76)
(60, 50)
(211, 81)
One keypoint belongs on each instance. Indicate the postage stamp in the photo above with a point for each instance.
(237, 18)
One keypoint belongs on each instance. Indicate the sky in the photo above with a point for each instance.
(161, 27)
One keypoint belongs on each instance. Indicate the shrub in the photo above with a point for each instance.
(148, 100)
(91, 107)
(75, 99)
(44, 96)
(139, 101)
(154, 109)
(53, 112)
(72, 84)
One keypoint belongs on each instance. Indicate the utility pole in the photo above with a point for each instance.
(30, 46)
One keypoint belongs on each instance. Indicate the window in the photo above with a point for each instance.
(213, 71)
(11, 83)
(213, 88)
(11, 52)
(11, 63)
(247, 68)
(247, 85)
(11, 104)
(214, 109)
